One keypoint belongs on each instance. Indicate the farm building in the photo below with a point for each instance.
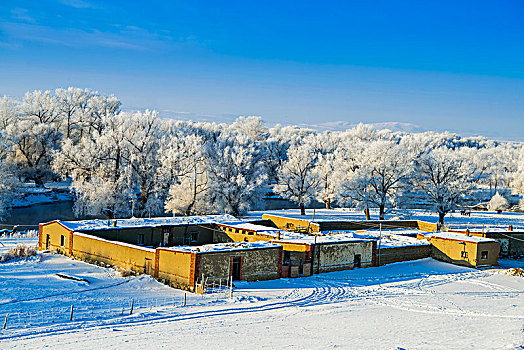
(185, 251)
(307, 254)
(310, 225)
(464, 250)
(148, 246)
(156, 232)
(511, 240)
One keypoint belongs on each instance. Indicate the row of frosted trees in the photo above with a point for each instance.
(114, 157)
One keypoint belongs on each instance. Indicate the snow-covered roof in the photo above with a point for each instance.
(389, 239)
(458, 237)
(265, 230)
(224, 247)
(97, 224)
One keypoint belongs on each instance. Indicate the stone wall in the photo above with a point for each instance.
(406, 253)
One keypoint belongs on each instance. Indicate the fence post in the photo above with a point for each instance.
(132, 304)
(71, 314)
(231, 288)
(5, 321)
(185, 295)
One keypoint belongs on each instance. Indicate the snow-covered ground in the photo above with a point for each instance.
(419, 304)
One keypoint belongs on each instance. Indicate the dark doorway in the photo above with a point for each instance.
(47, 241)
(236, 268)
(147, 267)
(356, 262)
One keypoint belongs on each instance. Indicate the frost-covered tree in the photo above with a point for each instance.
(142, 136)
(95, 165)
(329, 176)
(8, 180)
(186, 157)
(98, 109)
(445, 176)
(32, 143)
(517, 178)
(72, 105)
(498, 203)
(252, 127)
(380, 171)
(236, 173)
(33, 136)
(297, 179)
(41, 107)
(9, 112)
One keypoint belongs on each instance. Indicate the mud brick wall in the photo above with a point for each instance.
(397, 254)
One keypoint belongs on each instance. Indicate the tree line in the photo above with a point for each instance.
(114, 158)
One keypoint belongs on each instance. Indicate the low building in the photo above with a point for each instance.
(463, 250)
(511, 239)
(147, 246)
(308, 224)
(310, 254)
(155, 232)
(307, 254)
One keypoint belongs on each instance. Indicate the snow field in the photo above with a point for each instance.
(417, 304)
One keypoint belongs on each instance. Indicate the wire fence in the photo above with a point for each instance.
(484, 227)
(57, 315)
(218, 287)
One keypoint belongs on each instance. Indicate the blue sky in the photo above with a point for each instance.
(443, 65)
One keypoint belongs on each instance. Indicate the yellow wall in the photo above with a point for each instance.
(294, 247)
(113, 253)
(55, 231)
(175, 267)
(284, 223)
(426, 226)
(244, 235)
(452, 251)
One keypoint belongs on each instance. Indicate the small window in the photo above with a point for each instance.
(464, 254)
(140, 238)
(193, 236)
(287, 257)
(165, 230)
(484, 255)
(250, 233)
(62, 240)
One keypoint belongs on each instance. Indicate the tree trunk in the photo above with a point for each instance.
(302, 209)
(366, 211)
(441, 218)
(328, 204)
(382, 209)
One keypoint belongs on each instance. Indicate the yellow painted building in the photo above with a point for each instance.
(180, 267)
(292, 223)
(463, 250)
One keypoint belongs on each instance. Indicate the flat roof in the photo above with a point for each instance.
(224, 247)
(458, 237)
(98, 224)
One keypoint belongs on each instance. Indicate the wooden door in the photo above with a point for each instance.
(147, 269)
(236, 268)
